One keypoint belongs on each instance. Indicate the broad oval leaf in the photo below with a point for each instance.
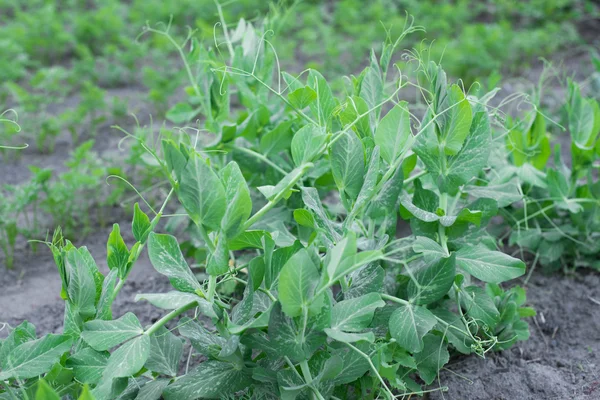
(165, 255)
(409, 324)
(201, 193)
(433, 282)
(210, 380)
(487, 265)
(103, 335)
(297, 281)
(393, 133)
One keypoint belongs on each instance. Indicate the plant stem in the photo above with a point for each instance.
(212, 285)
(262, 158)
(161, 322)
(206, 238)
(259, 214)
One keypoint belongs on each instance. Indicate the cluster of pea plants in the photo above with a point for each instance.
(559, 219)
(296, 202)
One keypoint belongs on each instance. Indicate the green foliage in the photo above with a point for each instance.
(558, 217)
(333, 303)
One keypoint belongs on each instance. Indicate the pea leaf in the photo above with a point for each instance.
(117, 253)
(393, 133)
(433, 357)
(103, 335)
(297, 281)
(307, 143)
(201, 193)
(128, 359)
(165, 255)
(237, 196)
(278, 139)
(302, 97)
(348, 164)
(478, 305)
(45, 391)
(165, 352)
(487, 265)
(210, 380)
(455, 120)
(140, 225)
(409, 324)
(34, 357)
(430, 249)
(431, 283)
(88, 365)
(354, 315)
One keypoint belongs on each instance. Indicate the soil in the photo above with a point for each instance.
(561, 360)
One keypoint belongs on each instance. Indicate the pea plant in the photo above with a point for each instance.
(330, 301)
(558, 221)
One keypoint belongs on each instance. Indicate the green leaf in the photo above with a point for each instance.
(286, 339)
(409, 324)
(297, 281)
(237, 196)
(247, 240)
(88, 365)
(344, 250)
(140, 225)
(181, 113)
(218, 261)
(433, 357)
(368, 279)
(117, 253)
(371, 88)
(278, 139)
(86, 394)
(152, 390)
(454, 120)
(433, 282)
(304, 218)
(348, 164)
(103, 335)
(34, 357)
(487, 265)
(173, 300)
(504, 193)
(165, 352)
(581, 118)
(105, 302)
(354, 107)
(325, 104)
(45, 391)
(210, 380)
(24, 332)
(558, 187)
(349, 337)
(207, 343)
(82, 286)
(128, 359)
(454, 329)
(478, 305)
(354, 364)
(165, 255)
(302, 97)
(307, 143)
(393, 133)
(430, 249)
(355, 315)
(310, 197)
(368, 188)
(201, 193)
